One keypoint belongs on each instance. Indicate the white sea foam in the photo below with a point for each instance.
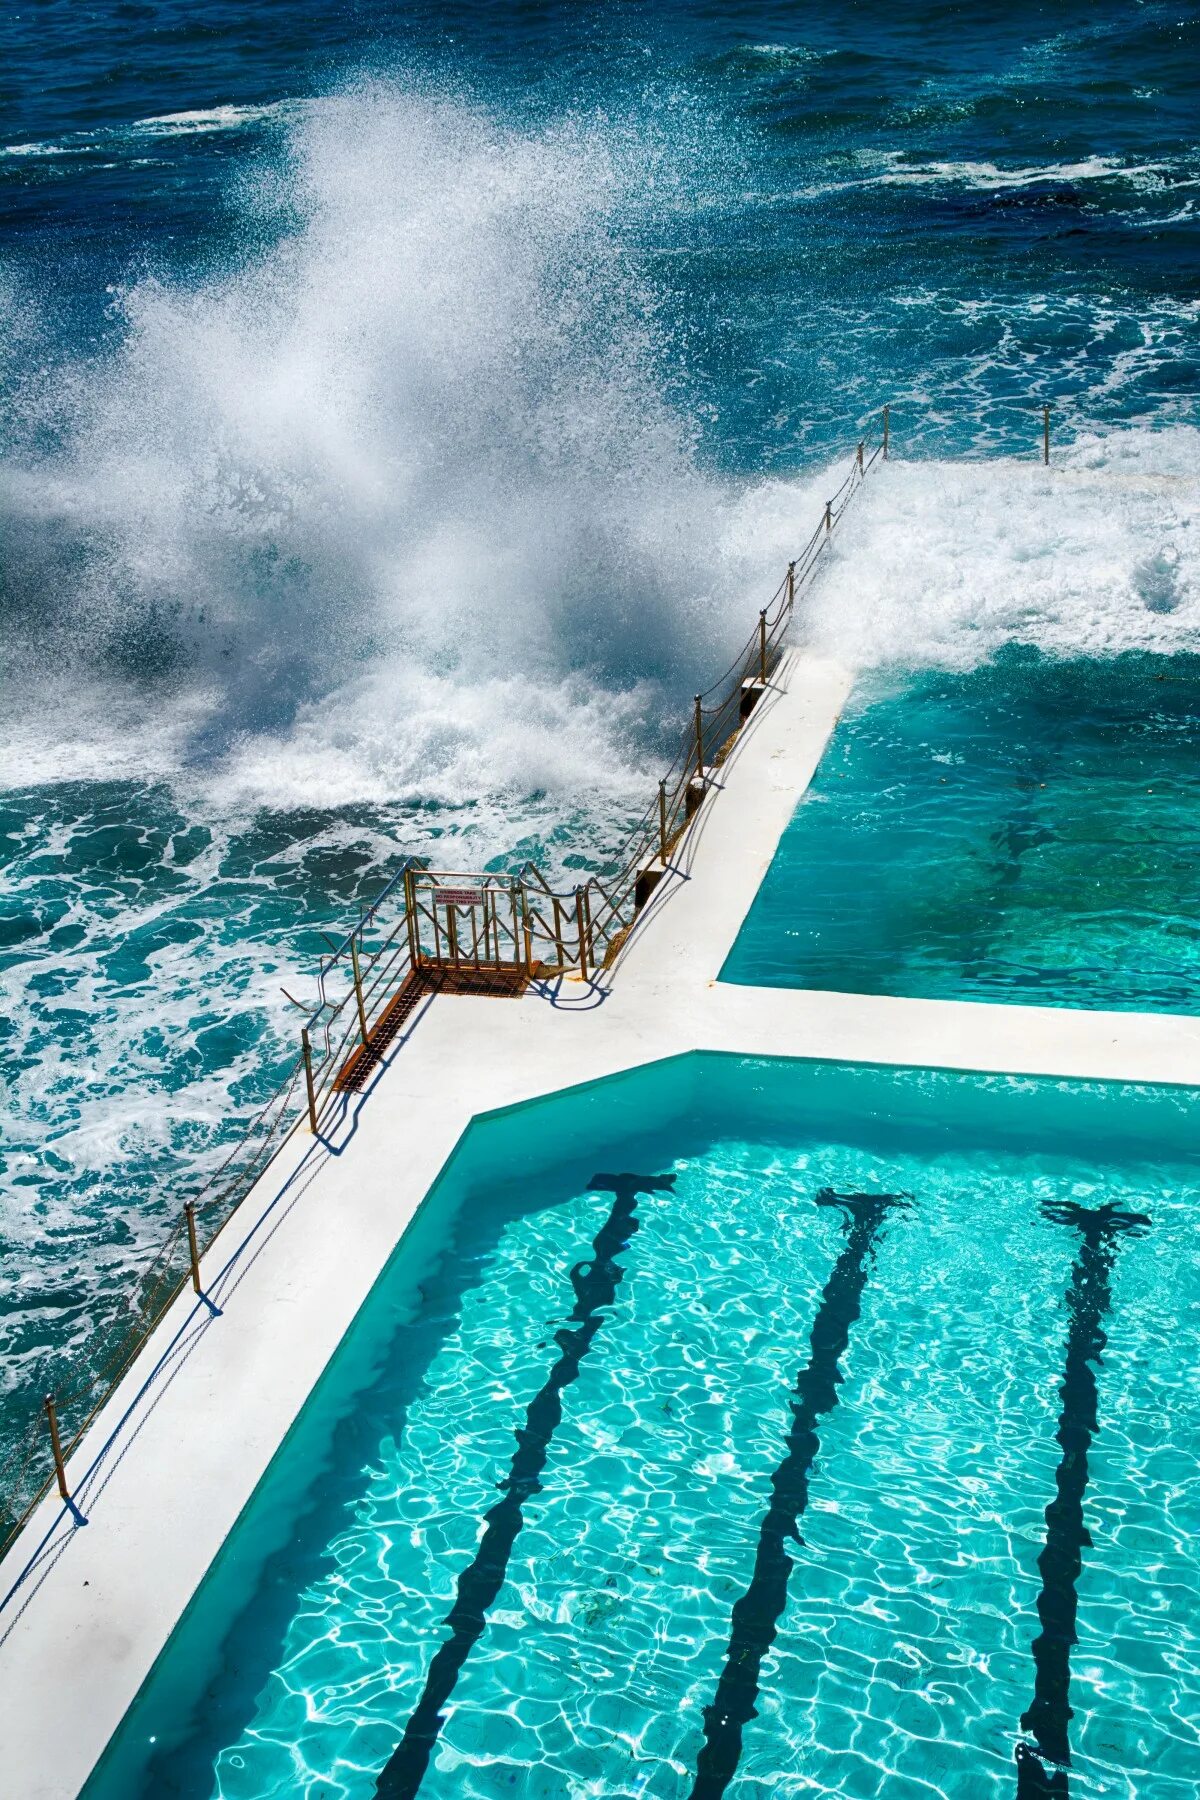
(393, 519)
(202, 121)
(397, 511)
(897, 170)
(210, 118)
(947, 563)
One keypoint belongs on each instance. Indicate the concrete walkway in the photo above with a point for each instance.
(178, 1451)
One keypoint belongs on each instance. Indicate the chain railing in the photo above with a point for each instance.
(424, 923)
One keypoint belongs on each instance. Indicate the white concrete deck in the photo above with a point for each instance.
(178, 1451)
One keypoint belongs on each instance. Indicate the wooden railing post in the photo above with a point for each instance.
(699, 726)
(358, 991)
(189, 1213)
(886, 430)
(60, 1468)
(308, 1081)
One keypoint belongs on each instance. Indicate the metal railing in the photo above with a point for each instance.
(354, 983)
(424, 923)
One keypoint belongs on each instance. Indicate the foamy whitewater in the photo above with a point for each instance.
(387, 457)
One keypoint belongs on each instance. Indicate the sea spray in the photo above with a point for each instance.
(946, 564)
(421, 426)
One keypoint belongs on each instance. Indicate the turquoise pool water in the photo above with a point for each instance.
(1023, 832)
(710, 1434)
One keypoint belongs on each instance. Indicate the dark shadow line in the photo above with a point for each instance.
(592, 994)
(1088, 1298)
(757, 1613)
(595, 1284)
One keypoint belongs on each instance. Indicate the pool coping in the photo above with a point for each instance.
(181, 1445)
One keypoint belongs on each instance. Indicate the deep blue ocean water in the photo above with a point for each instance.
(403, 409)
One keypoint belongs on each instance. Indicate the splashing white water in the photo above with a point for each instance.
(400, 493)
(945, 563)
(396, 510)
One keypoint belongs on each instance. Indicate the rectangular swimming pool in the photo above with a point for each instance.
(1027, 831)
(735, 1426)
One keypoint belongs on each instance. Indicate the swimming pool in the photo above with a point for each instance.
(735, 1426)
(1022, 832)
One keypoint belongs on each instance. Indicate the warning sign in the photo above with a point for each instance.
(458, 896)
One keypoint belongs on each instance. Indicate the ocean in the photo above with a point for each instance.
(406, 409)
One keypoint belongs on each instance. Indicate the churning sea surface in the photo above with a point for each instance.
(405, 409)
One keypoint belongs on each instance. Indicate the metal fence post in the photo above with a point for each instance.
(526, 928)
(662, 822)
(886, 430)
(581, 925)
(1046, 434)
(559, 946)
(410, 918)
(358, 990)
(762, 634)
(699, 737)
(60, 1468)
(308, 1081)
(189, 1213)
(828, 517)
(491, 904)
(860, 456)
